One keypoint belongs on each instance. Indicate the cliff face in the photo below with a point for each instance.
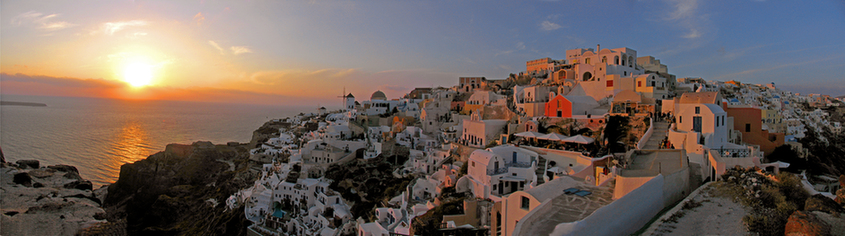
(51, 200)
(182, 190)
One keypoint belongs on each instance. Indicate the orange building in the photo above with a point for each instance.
(570, 105)
(748, 121)
(559, 106)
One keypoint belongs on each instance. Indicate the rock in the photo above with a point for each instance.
(40, 173)
(821, 203)
(80, 184)
(72, 175)
(840, 196)
(804, 223)
(64, 168)
(23, 179)
(38, 185)
(28, 163)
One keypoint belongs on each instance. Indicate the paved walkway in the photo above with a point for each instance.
(570, 208)
(661, 130)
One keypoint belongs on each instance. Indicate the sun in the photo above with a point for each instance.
(138, 74)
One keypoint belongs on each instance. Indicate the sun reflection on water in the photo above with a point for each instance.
(131, 144)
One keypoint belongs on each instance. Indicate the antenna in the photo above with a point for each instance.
(343, 98)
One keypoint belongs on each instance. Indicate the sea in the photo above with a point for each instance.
(98, 135)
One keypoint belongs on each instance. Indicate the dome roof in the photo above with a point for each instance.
(378, 95)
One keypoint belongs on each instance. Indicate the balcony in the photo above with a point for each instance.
(497, 171)
(734, 152)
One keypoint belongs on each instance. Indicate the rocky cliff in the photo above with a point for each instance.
(181, 191)
(51, 200)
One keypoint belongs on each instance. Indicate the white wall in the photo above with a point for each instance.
(621, 217)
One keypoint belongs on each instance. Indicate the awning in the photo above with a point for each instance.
(528, 134)
(553, 136)
(579, 139)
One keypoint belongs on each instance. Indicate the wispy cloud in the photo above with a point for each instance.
(549, 26)
(771, 68)
(237, 50)
(109, 28)
(199, 18)
(686, 15)
(215, 45)
(40, 21)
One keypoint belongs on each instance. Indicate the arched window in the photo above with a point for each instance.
(604, 59)
(623, 60)
(630, 61)
(616, 59)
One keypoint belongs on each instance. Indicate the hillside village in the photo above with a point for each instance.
(596, 143)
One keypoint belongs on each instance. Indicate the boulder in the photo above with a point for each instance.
(821, 203)
(28, 163)
(80, 184)
(805, 224)
(41, 173)
(840, 196)
(64, 168)
(73, 175)
(23, 179)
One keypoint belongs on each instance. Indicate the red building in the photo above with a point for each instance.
(748, 121)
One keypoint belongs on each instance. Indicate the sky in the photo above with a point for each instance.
(310, 52)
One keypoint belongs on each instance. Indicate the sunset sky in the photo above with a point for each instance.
(308, 51)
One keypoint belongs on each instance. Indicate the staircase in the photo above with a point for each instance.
(661, 130)
(541, 170)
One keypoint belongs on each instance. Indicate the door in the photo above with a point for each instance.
(696, 124)
(501, 188)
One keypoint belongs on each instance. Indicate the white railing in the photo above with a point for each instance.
(647, 135)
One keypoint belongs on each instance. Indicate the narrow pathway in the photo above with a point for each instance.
(661, 130)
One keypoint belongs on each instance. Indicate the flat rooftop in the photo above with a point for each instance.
(569, 207)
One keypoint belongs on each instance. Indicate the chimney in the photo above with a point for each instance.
(598, 48)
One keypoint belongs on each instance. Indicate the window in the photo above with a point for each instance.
(604, 59)
(587, 61)
(747, 127)
(697, 110)
(616, 59)
(610, 83)
(473, 164)
(639, 83)
(525, 203)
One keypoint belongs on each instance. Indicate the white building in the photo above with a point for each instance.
(499, 171)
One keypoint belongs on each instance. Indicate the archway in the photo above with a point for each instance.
(587, 76)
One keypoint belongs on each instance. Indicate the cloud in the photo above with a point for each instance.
(24, 17)
(685, 14)
(38, 20)
(199, 18)
(215, 45)
(76, 87)
(110, 28)
(237, 50)
(549, 26)
(753, 71)
(692, 34)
